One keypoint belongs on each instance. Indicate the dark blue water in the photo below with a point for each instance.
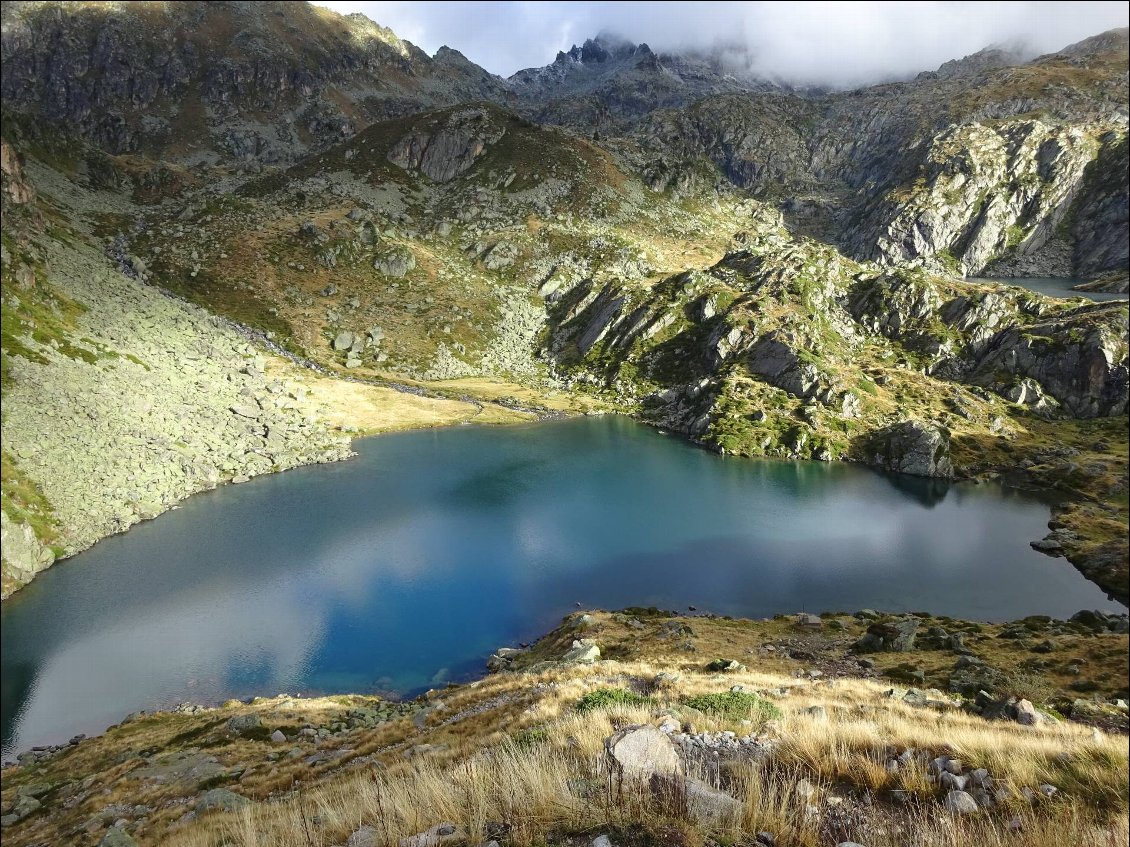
(407, 566)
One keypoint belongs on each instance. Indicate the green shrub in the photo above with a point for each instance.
(608, 698)
(734, 705)
(527, 738)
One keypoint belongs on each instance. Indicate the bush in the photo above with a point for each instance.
(609, 698)
(735, 705)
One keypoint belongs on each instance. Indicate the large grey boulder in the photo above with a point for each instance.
(641, 752)
(221, 799)
(244, 724)
(583, 650)
(894, 636)
(117, 837)
(961, 803)
(709, 806)
(395, 263)
(912, 447)
(343, 341)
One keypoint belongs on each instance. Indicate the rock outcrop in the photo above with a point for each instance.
(913, 447)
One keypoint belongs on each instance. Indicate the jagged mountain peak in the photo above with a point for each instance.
(604, 48)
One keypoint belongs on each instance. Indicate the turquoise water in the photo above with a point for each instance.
(405, 567)
(1054, 287)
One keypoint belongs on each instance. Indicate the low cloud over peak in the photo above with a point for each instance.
(837, 43)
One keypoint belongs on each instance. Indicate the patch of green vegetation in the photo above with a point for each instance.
(734, 705)
(1013, 236)
(527, 739)
(949, 262)
(32, 309)
(24, 503)
(228, 297)
(609, 698)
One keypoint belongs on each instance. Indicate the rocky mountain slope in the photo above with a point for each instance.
(769, 273)
(196, 81)
(640, 727)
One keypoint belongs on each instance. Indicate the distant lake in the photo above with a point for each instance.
(1053, 287)
(405, 567)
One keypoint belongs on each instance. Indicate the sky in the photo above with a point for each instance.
(840, 43)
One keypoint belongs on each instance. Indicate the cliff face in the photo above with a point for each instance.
(988, 170)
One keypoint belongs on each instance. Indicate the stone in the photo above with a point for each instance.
(583, 651)
(366, 836)
(805, 790)
(708, 806)
(641, 752)
(895, 636)
(117, 837)
(244, 724)
(1026, 714)
(23, 806)
(277, 737)
(343, 341)
(913, 447)
(221, 799)
(601, 841)
(395, 264)
(246, 410)
(956, 783)
(441, 833)
(960, 803)
(725, 666)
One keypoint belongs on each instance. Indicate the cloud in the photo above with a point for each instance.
(835, 43)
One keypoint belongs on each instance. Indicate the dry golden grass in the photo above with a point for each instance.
(513, 748)
(556, 781)
(371, 409)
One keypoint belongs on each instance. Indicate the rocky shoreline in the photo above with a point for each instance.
(156, 774)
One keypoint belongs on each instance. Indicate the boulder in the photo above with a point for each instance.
(642, 752)
(894, 636)
(1026, 714)
(726, 666)
(709, 806)
(343, 341)
(366, 836)
(583, 650)
(912, 447)
(960, 803)
(221, 799)
(395, 263)
(441, 833)
(244, 725)
(117, 837)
